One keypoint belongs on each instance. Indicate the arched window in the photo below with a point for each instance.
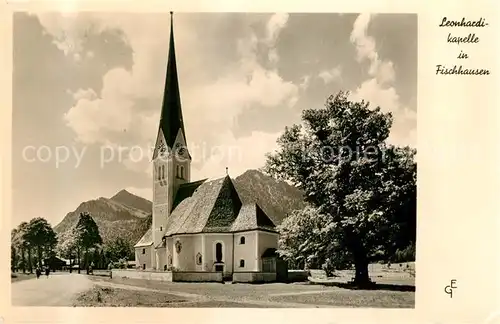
(242, 263)
(242, 240)
(218, 252)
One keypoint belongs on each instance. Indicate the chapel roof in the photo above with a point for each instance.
(146, 239)
(186, 190)
(215, 206)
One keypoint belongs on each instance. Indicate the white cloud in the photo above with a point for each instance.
(331, 75)
(68, 30)
(238, 154)
(306, 81)
(378, 89)
(208, 107)
(274, 26)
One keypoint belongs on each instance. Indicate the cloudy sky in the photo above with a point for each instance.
(87, 92)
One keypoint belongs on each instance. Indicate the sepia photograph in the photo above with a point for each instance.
(241, 160)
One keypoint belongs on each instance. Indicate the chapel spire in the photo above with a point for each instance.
(171, 114)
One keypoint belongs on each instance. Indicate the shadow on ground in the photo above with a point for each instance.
(374, 286)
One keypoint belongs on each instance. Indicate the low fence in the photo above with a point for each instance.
(185, 276)
(254, 277)
(202, 276)
(177, 276)
(139, 274)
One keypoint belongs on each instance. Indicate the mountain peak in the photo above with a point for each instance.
(129, 199)
(121, 193)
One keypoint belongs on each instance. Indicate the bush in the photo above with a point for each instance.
(405, 255)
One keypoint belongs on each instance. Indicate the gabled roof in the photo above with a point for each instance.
(251, 217)
(215, 207)
(186, 190)
(146, 239)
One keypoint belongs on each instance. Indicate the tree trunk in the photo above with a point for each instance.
(361, 277)
(23, 258)
(78, 256)
(87, 260)
(13, 258)
(30, 265)
(39, 255)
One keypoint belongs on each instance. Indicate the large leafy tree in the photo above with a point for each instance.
(363, 190)
(67, 245)
(42, 237)
(14, 250)
(25, 246)
(118, 249)
(303, 237)
(87, 236)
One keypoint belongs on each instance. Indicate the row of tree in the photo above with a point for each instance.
(361, 190)
(32, 243)
(35, 243)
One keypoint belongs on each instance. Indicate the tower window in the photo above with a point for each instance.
(180, 171)
(143, 251)
(161, 228)
(242, 263)
(242, 240)
(161, 172)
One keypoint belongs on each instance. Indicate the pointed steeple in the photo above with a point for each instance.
(171, 114)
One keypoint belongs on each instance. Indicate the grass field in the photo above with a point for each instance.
(143, 293)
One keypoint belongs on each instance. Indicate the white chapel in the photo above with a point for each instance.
(199, 227)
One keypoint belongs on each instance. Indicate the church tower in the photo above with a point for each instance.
(171, 159)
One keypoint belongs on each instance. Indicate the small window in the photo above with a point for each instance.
(161, 172)
(143, 251)
(242, 263)
(182, 172)
(144, 266)
(242, 240)
(161, 228)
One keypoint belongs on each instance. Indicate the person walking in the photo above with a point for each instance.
(38, 272)
(47, 271)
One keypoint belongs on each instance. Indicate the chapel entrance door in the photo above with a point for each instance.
(219, 267)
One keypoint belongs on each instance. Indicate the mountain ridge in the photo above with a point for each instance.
(126, 215)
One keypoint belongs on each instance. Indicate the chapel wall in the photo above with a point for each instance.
(246, 252)
(183, 260)
(144, 258)
(227, 245)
